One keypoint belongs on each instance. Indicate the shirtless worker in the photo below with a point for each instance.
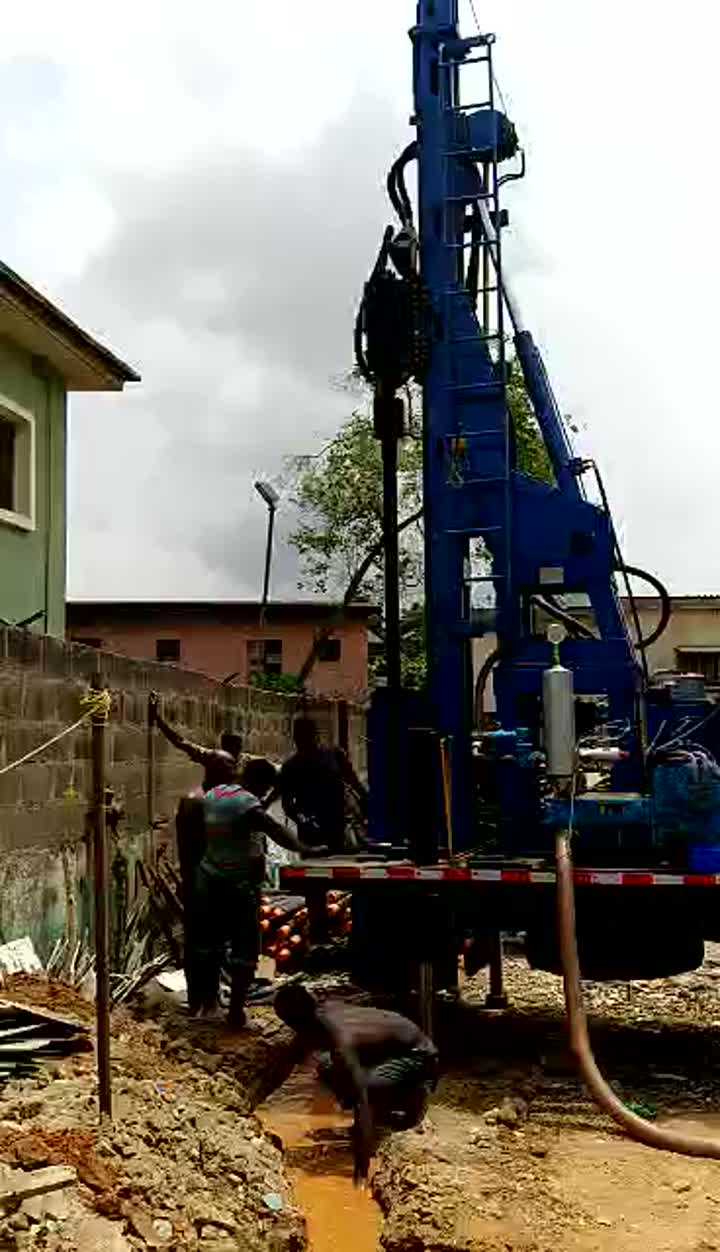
(312, 788)
(228, 880)
(374, 1061)
(230, 742)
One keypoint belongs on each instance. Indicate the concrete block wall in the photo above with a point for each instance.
(43, 803)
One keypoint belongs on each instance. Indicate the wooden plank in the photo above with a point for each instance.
(20, 1185)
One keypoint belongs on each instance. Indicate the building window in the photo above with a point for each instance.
(264, 656)
(17, 466)
(706, 663)
(167, 650)
(90, 642)
(329, 650)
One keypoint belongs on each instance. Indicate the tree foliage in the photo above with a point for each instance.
(532, 455)
(338, 497)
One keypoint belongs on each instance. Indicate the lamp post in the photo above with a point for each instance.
(271, 497)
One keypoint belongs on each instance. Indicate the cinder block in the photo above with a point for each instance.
(128, 778)
(49, 826)
(12, 696)
(10, 788)
(41, 704)
(135, 812)
(127, 743)
(68, 776)
(36, 783)
(69, 697)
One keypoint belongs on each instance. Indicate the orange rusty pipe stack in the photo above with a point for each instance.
(636, 1127)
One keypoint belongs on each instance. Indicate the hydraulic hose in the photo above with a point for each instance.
(665, 604)
(481, 683)
(637, 1127)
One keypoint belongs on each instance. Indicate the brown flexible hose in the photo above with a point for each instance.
(636, 1127)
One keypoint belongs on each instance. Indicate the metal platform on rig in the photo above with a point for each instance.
(490, 871)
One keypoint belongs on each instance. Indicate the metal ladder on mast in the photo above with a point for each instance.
(479, 421)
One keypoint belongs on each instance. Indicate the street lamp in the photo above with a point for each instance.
(271, 497)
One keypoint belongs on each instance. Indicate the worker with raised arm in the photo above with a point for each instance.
(190, 826)
(228, 880)
(312, 789)
(230, 744)
(376, 1062)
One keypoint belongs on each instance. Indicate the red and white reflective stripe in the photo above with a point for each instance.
(516, 876)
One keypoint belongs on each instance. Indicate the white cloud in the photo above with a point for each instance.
(203, 188)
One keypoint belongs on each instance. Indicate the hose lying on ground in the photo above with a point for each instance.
(636, 1127)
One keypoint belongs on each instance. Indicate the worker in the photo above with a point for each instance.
(189, 825)
(312, 789)
(230, 744)
(227, 883)
(190, 839)
(376, 1062)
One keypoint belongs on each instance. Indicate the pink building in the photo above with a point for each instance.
(225, 638)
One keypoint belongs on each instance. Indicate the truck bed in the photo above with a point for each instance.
(511, 872)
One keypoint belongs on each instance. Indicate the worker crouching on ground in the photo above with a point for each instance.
(227, 884)
(376, 1062)
(312, 789)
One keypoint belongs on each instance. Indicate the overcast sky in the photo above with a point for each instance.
(200, 185)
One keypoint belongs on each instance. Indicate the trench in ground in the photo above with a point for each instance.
(316, 1138)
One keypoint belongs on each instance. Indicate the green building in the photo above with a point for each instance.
(43, 356)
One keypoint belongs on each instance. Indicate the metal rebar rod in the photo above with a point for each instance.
(102, 933)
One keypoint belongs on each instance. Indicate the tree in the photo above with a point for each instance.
(532, 455)
(338, 495)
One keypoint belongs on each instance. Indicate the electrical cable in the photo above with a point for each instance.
(691, 730)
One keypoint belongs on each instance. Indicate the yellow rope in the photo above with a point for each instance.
(95, 703)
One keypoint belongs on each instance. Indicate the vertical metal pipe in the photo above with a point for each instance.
(426, 997)
(268, 561)
(102, 935)
(392, 632)
(343, 726)
(496, 999)
(151, 783)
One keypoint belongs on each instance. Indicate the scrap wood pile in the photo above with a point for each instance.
(29, 1035)
(146, 939)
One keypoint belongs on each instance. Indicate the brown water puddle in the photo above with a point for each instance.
(315, 1134)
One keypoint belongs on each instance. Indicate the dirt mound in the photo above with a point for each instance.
(516, 1157)
(46, 993)
(183, 1164)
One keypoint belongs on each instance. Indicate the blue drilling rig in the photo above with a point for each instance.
(464, 812)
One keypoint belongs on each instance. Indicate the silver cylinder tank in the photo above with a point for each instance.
(559, 721)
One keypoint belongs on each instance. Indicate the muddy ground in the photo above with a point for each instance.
(514, 1155)
(184, 1164)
